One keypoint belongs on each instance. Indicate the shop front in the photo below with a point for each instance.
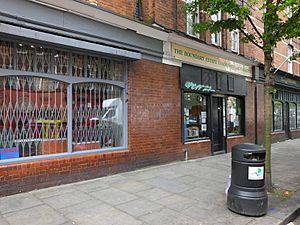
(286, 107)
(216, 99)
(213, 106)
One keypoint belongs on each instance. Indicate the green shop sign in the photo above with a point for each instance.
(198, 87)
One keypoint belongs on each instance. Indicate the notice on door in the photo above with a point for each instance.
(255, 173)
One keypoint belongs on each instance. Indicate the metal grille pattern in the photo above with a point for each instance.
(33, 110)
(77, 65)
(25, 55)
(33, 115)
(43, 60)
(61, 62)
(6, 54)
(97, 116)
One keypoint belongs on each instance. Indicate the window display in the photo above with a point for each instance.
(234, 115)
(195, 116)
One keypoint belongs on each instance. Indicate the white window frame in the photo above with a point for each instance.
(235, 39)
(191, 18)
(216, 37)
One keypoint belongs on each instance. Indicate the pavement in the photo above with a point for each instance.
(181, 193)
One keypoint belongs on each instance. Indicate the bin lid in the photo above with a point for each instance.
(248, 152)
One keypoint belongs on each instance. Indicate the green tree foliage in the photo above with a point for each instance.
(281, 21)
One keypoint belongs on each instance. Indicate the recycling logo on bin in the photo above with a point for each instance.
(255, 173)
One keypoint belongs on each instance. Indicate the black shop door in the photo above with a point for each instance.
(217, 124)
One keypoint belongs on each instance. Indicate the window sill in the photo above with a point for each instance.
(235, 136)
(197, 141)
(278, 132)
(62, 155)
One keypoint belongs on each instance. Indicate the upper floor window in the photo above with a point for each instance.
(191, 19)
(235, 42)
(216, 37)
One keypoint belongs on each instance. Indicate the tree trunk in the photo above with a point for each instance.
(268, 91)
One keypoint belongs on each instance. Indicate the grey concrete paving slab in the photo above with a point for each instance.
(187, 179)
(265, 220)
(154, 194)
(18, 202)
(168, 217)
(207, 198)
(177, 202)
(52, 191)
(66, 199)
(102, 214)
(37, 215)
(139, 207)
(113, 179)
(132, 186)
(3, 221)
(89, 186)
(77, 208)
(168, 185)
(113, 196)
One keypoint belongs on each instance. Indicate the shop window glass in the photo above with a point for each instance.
(6, 54)
(234, 115)
(97, 116)
(61, 62)
(195, 116)
(25, 53)
(33, 110)
(292, 116)
(77, 65)
(298, 115)
(277, 116)
(43, 60)
(33, 118)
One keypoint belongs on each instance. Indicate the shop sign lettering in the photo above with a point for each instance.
(210, 61)
(198, 87)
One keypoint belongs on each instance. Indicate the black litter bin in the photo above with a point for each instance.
(247, 194)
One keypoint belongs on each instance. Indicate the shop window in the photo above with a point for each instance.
(277, 116)
(25, 53)
(6, 54)
(298, 115)
(97, 116)
(195, 116)
(191, 19)
(77, 65)
(34, 116)
(235, 115)
(43, 60)
(292, 116)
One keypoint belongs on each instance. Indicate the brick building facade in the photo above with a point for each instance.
(92, 88)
